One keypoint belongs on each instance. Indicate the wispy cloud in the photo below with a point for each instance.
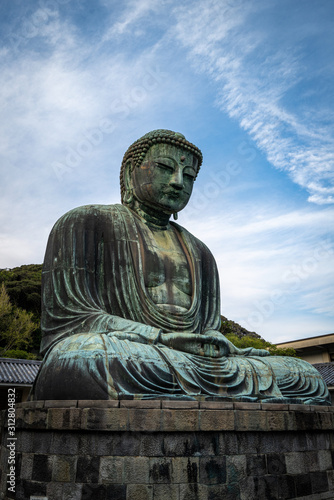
(134, 12)
(255, 80)
(272, 267)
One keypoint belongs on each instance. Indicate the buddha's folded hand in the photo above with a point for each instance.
(230, 349)
(211, 344)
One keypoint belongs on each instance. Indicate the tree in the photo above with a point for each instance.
(23, 286)
(16, 325)
(242, 338)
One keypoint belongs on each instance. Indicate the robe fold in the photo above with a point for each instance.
(93, 288)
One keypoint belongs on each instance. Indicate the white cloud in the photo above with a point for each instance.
(269, 262)
(134, 12)
(255, 81)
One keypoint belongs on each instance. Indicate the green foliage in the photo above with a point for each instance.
(18, 354)
(16, 325)
(228, 326)
(23, 285)
(259, 343)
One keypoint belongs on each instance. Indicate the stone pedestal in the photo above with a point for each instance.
(165, 450)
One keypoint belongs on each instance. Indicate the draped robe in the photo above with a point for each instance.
(93, 288)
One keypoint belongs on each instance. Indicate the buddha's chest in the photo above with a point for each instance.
(166, 269)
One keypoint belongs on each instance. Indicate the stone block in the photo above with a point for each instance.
(308, 421)
(246, 406)
(120, 444)
(212, 470)
(166, 491)
(26, 489)
(276, 464)
(325, 460)
(185, 470)
(330, 478)
(111, 419)
(229, 443)
(275, 420)
(215, 405)
(274, 407)
(64, 468)
(92, 491)
(42, 468)
(251, 442)
(291, 421)
(179, 405)
(57, 403)
(88, 443)
(255, 420)
(64, 443)
(319, 408)
(139, 492)
(216, 420)
(140, 403)
(299, 407)
(179, 420)
(175, 445)
(260, 487)
(286, 487)
(152, 444)
(26, 465)
(115, 492)
(148, 420)
(236, 467)
(42, 442)
(88, 469)
(111, 470)
(319, 482)
(195, 492)
(256, 465)
(54, 490)
(98, 403)
(160, 470)
(303, 485)
(299, 463)
(223, 492)
(136, 470)
(71, 491)
(36, 418)
(317, 441)
(30, 404)
(326, 421)
(27, 441)
(64, 418)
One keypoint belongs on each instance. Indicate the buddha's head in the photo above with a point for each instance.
(158, 170)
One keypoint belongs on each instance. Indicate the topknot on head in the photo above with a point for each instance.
(137, 151)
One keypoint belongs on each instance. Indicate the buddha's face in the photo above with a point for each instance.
(165, 178)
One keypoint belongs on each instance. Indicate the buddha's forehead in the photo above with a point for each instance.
(170, 151)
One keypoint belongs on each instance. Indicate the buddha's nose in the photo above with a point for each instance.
(177, 179)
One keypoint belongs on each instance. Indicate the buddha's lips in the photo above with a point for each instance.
(174, 194)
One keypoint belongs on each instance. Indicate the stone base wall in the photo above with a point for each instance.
(165, 450)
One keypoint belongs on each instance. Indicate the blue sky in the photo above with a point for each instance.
(249, 82)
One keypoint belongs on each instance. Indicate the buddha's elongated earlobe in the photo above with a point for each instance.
(175, 216)
(128, 191)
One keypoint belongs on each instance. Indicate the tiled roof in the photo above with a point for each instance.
(18, 371)
(327, 372)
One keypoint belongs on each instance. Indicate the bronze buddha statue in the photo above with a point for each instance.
(131, 304)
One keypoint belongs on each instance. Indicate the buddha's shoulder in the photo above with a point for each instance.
(193, 240)
(89, 214)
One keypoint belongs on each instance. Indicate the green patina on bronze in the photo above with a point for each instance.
(131, 304)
